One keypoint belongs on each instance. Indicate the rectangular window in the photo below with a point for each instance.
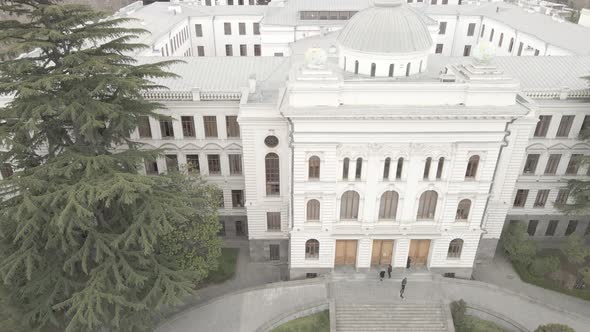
(207, 2)
(442, 28)
(278, 53)
(256, 28)
(467, 50)
(445, 2)
(198, 30)
(241, 2)
(235, 164)
(6, 170)
(222, 230)
(439, 48)
(210, 123)
(192, 163)
(433, 2)
(541, 198)
(214, 164)
(228, 50)
(188, 126)
(573, 165)
(237, 198)
(201, 50)
(273, 221)
(532, 227)
(471, 29)
(274, 252)
(531, 164)
(171, 162)
(151, 167)
(242, 28)
(571, 227)
(551, 227)
(230, 2)
(227, 28)
(145, 130)
(542, 126)
(240, 228)
(536, 52)
(585, 125)
(520, 49)
(243, 50)
(562, 196)
(521, 196)
(552, 164)
(232, 126)
(166, 129)
(257, 50)
(565, 125)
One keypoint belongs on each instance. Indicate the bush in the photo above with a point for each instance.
(575, 250)
(458, 309)
(543, 265)
(519, 247)
(554, 328)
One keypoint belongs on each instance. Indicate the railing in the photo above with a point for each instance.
(192, 95)
(556, 94)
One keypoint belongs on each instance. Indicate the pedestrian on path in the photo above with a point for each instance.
(389, 269)
(381, 275)
(403, 289)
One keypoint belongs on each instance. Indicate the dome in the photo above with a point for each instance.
(389, 27)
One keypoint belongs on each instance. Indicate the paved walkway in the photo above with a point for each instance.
(247, 310)
(248, 274)
(499, 272)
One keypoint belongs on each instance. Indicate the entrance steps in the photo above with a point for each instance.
(348, 275)
(423, 317)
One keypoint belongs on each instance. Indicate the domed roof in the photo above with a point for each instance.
(389, 27)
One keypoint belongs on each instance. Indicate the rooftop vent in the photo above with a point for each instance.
(175, 9)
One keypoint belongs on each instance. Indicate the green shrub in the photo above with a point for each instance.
(543, 265)
(575, 250)
(554, 328)
(475, 324)
(458, 309)
(519, 247)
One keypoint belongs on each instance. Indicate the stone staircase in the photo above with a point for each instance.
(402, 317)
(374, 275)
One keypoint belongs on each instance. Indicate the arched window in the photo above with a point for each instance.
(356, 66)
(427, 168)
(313, 210)
(312, 249)
(359, 169)
(463, 210)
(455, 248)
(391, 70)
(427, 205)
(400, 168)
(349, 205)
(314, 167)
(408, 69)
(386, 167)
(373, 69)
(511, 45)
(501, 40)
(388, 206)
(439, 168)
(420, 69)
(345, 165)
(472, 167)
(492, 35)
(483, 30)
(271, 162)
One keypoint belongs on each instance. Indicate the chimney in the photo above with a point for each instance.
(252, 83)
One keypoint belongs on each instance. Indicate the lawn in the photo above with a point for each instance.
(547, 282)
(226, 268)
(319, 322)
(474, 324)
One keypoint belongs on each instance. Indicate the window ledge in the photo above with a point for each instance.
(312, 258)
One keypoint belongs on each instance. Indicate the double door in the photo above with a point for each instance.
(382, 252)
(419, 250)
(345, 252)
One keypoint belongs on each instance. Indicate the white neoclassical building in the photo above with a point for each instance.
(365, 147)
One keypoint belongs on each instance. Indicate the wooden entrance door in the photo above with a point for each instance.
(345, 252)
(419, 252)
(382, 252)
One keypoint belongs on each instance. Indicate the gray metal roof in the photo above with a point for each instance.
(386, 29)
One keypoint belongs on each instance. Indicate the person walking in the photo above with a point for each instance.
(389, 269)
(403, 289)
(381, 275)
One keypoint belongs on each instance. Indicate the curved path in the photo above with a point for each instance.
(249, 309)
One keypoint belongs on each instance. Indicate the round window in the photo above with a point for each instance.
(271, 141)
